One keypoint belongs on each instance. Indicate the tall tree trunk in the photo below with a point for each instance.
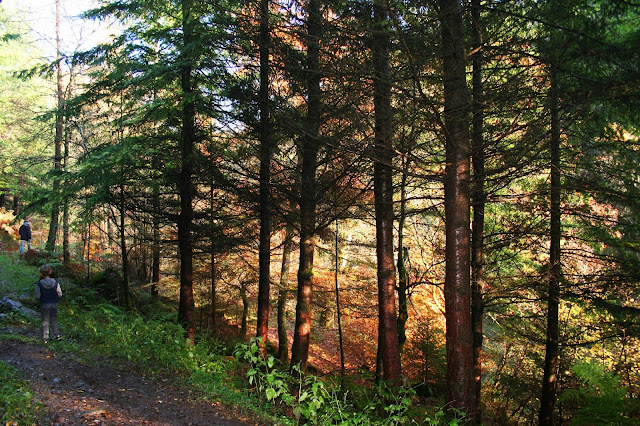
(262, 329)
(125, 298)
(57, 160)
(551, 359)
(302, 332)
(111, 242)
(403, 255)
(338, 308)
(479, 200)
(457, 287)
(245, 308)
(155, 248)
(66, 255)
(214, 292)
(383, 190)
(155, 229)
(379, 370)
(185, 185)
(213, 269)
(283, 339)
(88, 244)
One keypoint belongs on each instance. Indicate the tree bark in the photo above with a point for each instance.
(213, 272)
(457, 288)
(302, 332)
(155, 259)
(283, 339)
(214, 292)
(479, 200)
(66, 254)
(403, 255)
(185, 185)
(155, 229)
(383, 193)
(262, 329)
(245, 308)
(379, 369)
(125, 298)
(111, 242)
(57, 160)
(338, 309)
(66, 251)
(551, 359)
(87, 253)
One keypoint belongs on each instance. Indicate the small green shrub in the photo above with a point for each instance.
(106, 284)
(38, 258)
(313, 401)
(441, 418)
(17, 403)
(73, 271)
(270, 384)
(15, 319)
(600, 398)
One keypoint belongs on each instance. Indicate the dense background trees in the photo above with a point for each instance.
(492, 146)
(23, 137)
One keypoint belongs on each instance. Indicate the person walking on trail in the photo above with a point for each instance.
(25, 236)
(48, 292)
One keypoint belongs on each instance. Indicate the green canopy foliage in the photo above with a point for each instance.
(24, 129)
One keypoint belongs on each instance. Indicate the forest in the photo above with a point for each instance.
(438, 196)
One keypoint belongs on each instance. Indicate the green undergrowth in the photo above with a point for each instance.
(157, 346)
(599, 398)
(17, 403)
(239, 376)
(149, 338)
(310, 400)
(16, 277)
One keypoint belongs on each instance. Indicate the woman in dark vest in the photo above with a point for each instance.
(48, 292)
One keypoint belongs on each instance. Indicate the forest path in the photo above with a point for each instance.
(75, 392)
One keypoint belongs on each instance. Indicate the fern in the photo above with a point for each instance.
(601, 399)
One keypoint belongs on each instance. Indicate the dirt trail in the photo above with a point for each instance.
(74, 392)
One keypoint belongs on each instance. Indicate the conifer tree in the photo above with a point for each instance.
(149, 58)
(265, 178)
(388, 346)
(58, 143)
(308, 189)
(460, 384)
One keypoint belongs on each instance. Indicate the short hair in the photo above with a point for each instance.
(45, 270)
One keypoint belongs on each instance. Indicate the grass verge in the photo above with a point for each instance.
(17, 403)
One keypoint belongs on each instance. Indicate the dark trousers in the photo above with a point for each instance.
(49, 314)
